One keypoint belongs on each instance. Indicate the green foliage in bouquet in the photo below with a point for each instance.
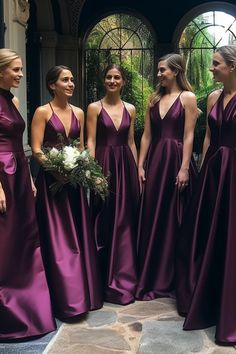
(69, 165)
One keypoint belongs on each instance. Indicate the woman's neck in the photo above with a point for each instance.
(112, 99)
(173, 89)
(60, 103)
(230, 88)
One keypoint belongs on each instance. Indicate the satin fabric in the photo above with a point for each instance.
(67, 238)
(162, 204)
(115, 219)
(25, 308)
(205, 270)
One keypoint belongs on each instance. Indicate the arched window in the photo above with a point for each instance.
(197, 43)
(199, 40)
(125, 40)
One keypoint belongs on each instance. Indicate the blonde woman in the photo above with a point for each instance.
(25, 306)
(166, 173)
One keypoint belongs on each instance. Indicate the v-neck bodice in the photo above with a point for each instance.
(222, 122)
(172, 125)
(107, 133)
(55, 129)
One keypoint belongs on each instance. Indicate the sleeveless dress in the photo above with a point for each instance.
(162, 205)
(67, 240)
(207, 254)
(115, 219)
(25, 308)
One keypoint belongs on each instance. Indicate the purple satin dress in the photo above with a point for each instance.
(25, 308)
(67, 239)
(162, 204)
(207, 253)
(115, 219)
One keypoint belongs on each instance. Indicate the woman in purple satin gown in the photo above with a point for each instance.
(110, 127)
(166, 172)
(207, 261)
(67, 239)
(25, 308)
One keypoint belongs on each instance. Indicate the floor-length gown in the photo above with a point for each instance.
(67, 238)
(162, 204)
(207, 254)
(115, 219)
(25, 307)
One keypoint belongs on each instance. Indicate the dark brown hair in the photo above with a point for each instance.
(53, 75)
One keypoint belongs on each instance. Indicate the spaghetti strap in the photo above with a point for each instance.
(101, 103)
(51, 107)
(72, 109)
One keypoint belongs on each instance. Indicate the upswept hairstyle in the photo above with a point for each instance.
(176, 63)
(228, 52)
(53, 75)
(7, 56)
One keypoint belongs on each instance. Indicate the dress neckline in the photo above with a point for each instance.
(6, 93)
(170, 107)
(122, 117)
(67, 134)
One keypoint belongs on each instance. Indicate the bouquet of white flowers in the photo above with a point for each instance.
(74, 167)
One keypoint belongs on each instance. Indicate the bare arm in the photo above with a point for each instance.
(80, 116)
(191, 113)
(37, 132)
(131, 142)
(145, 143)
(3, 205)
(91, 124)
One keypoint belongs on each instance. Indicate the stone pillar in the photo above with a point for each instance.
(16, 14)
(48, 41)
(67, 54)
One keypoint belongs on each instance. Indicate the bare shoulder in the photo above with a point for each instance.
(130, 108)
(42, 113)
(78, 111)
(43, 109)
(94, 107)
(213, 97)
(187, 96)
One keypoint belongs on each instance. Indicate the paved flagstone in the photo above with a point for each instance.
(144, 327)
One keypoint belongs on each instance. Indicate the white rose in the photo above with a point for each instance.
(87, 173)
(53, 152)
(70, 157)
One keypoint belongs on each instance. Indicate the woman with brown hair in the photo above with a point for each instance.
(166, 173)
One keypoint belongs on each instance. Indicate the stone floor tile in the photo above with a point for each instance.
(166, 337)
(101, 318)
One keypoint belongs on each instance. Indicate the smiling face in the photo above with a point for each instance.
(165, 75)
(113, 80)
(220, 69)
(64, 86)
(11, 74)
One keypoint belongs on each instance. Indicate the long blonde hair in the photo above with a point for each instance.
(7, 56)
(176, 63)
